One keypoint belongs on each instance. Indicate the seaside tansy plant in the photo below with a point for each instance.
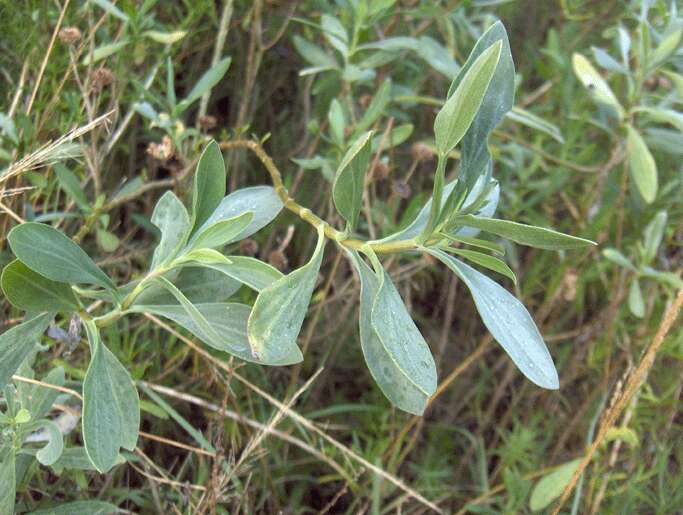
(191, 280)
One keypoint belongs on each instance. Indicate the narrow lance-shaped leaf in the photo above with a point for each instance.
(111, 406)
(30, 291)
(594, 82)
(635, 299)
(497, 102)
(523, 234)
(17, 343)
(641, 165)
(652, 236)
(509, 322)
(456, 115)
(252, 272)
(376, 107)
(221, 232)
(347, 190)
(406, 375)
(207, 81)
(52, 254)
(172, 219)
(490, 262)
(280, 309)
(209, 184)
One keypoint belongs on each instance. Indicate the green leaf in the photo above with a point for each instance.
(335, 33)
(508, 321)
(198, 284)
(262, 201)
(220, 233)
(51, 452)
(111, 406)
(396, 354)
(50, 253)
(30, 291)
(551, 486)
(653, 234)
(79, 508)
(396, 136)
(107, 240)
(668, 278)
(8, 482)
(376, 107)
(314, 55)
(228, 320)
(165, 38)
(17, 343)
(39, 399)
(420, 222)
(209, 184)
(618, 258)
(457, 114)
(497, 102)
(529, 119)
(252, 272)
(207, 81)
(593, 81)
(476, 242)
(337, 123)
(103, 51)
(171, 217)
(280, 309)
(523, 234)
(347, 190)
(636, 304)
(76, 458)
(667, 46)
(490, 262)
(641, 165)
(72, 186)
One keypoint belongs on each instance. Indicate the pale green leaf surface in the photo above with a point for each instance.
(52, 254)
(280, 309)
(51, 451)
(172, 219)
(221, 232)
(17, 343)
(254, 273)
(642, 165)
(550, 487)
(209, 184)
(508, 321)
(7, 485)
(347, 190)
(594, 82)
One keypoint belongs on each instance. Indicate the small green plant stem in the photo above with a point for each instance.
(306, 214)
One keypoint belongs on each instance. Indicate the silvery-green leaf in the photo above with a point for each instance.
(30, 291)
(111, 406)
(457, 114)
(523, 234)
(209, 184)
(17, 343)
(594, 82)
(198, 284)
(80, 508)
(396, 354)
(250, 271)
(653, 234)
(420, 221)
(335, 33)
(347, 190)
(376, 107)
(228, 320)
(75, 458)
(607, 61)
(618, 258)
(165, 38)
(662, 115)
(396, 136)
(72, 186)
(508, 321)
(667, 46)
(205, 83)
(519, 115)
(172, 219)
(52, 254)
(51, 452)
(280, 309)
(314, 55)
(437, 55)
(642, 165)
(485, 260)
(497, 102)
(260, 200)
(36, 398)
(552, 485)
(335, 117)
(103, 51)
(220, 233)
(635, 299)
(668, 278)
(8, 482)
(666, 140)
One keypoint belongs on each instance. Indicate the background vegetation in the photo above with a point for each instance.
(222, 436)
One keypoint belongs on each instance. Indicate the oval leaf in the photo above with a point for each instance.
(220, 233)
(280, 309)
(52, 254)
(111, 406)
(172, 219)
(551, 486)
(250, 271)
(509, 322)
(30, 291)
(347, 190)
(641, 165)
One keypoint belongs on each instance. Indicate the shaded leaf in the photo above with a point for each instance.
(207, 81)
(641, 165)
(252, 272)
(172, 219)
(221, 232)
(209, 184)
(347, 190)
(17, 343)
(30, 291)
(551, 486)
